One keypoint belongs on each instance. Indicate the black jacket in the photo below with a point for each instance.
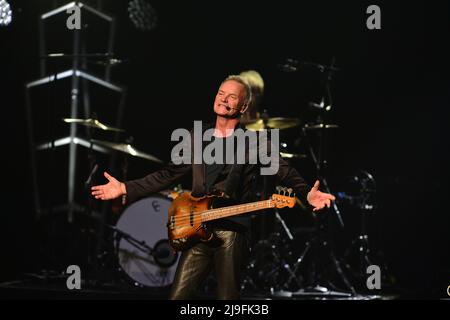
(249, 180)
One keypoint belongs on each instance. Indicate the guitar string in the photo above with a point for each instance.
(188, 215)
(185, 221)
(221, 210)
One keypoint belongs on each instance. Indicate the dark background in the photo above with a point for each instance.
(390, 102)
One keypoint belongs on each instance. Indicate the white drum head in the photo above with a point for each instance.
(145, 220)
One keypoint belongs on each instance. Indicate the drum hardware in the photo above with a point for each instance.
(141, 247)
(91, 275)
(321, 243)
(91, 263)
(287, 155)
(293, 65)
(320, 126)
(361, 197)
(263, 224)
(319, 246)
(92, 123)
(146, 262)
(161, 252)
(272, 123)
(104, 59)
(135, 251)
(127, 149)
(280, 274)
(73, 140)
(270, 268)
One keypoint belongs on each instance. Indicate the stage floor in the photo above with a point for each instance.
(56, 290)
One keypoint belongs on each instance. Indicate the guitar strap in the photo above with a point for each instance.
(235, 174)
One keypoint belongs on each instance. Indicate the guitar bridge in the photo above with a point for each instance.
(171, 223)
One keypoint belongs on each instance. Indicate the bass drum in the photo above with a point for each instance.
(142, 247)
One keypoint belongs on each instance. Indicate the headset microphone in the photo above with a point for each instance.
(230, 108)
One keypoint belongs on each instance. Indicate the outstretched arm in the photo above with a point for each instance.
(111, 190)
(139, 188)
(156, 181)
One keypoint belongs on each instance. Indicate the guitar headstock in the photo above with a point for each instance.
(284, 198)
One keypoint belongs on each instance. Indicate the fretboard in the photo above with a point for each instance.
(218, 213)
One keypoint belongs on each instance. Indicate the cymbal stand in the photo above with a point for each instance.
(271, 261)
(364, 203)
(283, 264)
(319, 244)
(93, 167)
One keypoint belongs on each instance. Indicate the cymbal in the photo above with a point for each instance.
(273, 123)
(320, 126)
(126, 148)
(288, 155)
(93, 123)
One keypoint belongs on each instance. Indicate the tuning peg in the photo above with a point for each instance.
(290, 190)
(279, 188)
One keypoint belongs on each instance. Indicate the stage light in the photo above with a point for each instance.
(5, 13)
(142, 15)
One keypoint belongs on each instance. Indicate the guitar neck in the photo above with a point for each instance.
(219, 213)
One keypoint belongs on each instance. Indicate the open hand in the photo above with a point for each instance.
(113, 189)
(319, 199)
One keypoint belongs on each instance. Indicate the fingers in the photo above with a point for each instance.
(108, 176)
(101, 196)
(97, 193)
(327, 196)
(316, 185)
(318, 208)
(325, 203)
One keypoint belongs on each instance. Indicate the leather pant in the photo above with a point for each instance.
(227, 253)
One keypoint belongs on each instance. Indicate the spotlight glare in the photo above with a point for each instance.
(142, 15)
(5, 13)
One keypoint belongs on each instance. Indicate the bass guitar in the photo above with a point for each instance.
(188, 215)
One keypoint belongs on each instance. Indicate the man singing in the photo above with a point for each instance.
(226, 256)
